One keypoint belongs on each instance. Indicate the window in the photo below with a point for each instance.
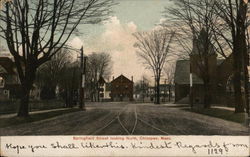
(5, 92)
(1, 82)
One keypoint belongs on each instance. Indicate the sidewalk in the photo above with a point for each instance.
(171, 104)
(224, 108)
(33, 112)
(212, 106)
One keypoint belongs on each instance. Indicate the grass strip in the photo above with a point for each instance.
(5, 122)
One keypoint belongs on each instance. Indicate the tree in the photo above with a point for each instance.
(99, 65)
(50, 73)
(142, 87)
(36, 30)
(154, 48)
(69, 83)
(169, 74)
(234, 15)
(196, 23)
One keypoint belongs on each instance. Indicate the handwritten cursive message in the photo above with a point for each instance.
(120, 143)
(127, 145)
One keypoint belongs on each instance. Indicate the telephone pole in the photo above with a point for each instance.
(82, 80)
(143, 89)
(165, 90)
(191, 86)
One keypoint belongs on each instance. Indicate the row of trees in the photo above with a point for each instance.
(208, 26)
(62, 73)
(99, 65)
(225, 27)
(142, 86)
(154, 49)
(37, 30)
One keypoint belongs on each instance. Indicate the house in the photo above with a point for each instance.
(10, 87)
(104, 89)
(166, 90)
(122, 89)
(9, 81)
(220, 75)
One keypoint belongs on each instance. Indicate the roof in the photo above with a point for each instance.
(198, 44)
(121, 78)
(182, 72)
(6, 65)
(101, 80)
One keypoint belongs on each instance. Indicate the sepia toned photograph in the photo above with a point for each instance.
(124, 67)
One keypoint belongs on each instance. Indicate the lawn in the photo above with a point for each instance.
(4, 122)
(220, 113)
(7, 107)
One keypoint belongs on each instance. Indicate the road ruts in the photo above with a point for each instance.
(126, 123)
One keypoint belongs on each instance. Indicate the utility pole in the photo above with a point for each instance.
(169, 92)
(143, 89)
(82, 80)
(165, 90)
(191, 87)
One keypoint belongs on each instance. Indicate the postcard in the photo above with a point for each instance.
(124, 78)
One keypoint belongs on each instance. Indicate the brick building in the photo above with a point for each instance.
(220, 74)
(122, 89)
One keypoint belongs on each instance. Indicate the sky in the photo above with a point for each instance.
(115, 35)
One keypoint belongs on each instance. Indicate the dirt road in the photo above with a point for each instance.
(129, 119)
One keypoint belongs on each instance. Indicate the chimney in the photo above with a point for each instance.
(132, 78)
(113, 77)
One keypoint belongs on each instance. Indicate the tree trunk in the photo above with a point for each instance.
(239, 48)
(98, 92)
(239, 104)
(237, 65)
(158, 91)
(24, 103)
(207, 79)
(27, 83)
(245, 63)
(246, 84)
(207, 95)
(169, 93)
(239, 107)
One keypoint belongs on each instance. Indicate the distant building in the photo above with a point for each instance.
(122, 89)
(104, 90)
(166, 90)
(9, 80)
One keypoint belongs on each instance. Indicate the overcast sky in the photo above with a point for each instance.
(115, 36)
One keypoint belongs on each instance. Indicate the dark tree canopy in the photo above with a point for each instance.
(35, 30)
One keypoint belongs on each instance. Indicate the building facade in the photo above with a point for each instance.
(122, 89)
(9, 80)
(219, 72)
(104, 90)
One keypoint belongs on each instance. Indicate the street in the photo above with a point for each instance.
(112, 118)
